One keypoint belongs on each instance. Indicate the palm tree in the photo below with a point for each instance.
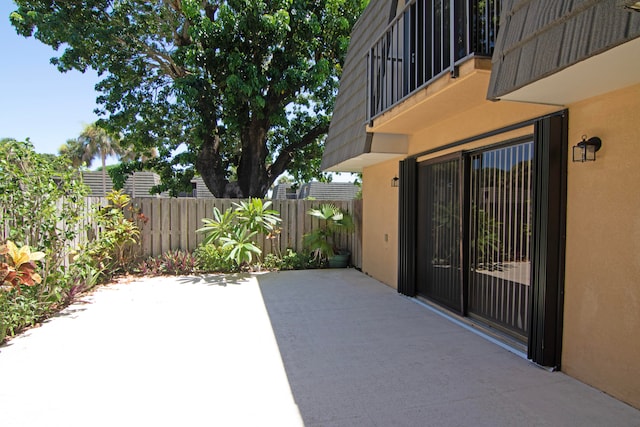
(98, 142)
(73, 150)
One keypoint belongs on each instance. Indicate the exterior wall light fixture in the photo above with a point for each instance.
(585, 150)
(395, 181)
(630, 5)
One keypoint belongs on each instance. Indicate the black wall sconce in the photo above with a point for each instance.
(395, 181)
(630, 5)
(585, 150)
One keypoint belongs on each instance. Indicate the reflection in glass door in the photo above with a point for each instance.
(500, 225)
(438, 269)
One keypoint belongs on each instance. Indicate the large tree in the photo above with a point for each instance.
(239, 91)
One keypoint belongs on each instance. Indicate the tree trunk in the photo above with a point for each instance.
(213, 173)
(255, 177)
(252, 168)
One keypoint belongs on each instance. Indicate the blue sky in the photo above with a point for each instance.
(38, 101)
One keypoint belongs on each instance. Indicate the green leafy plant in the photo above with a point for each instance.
(176, 262)
(117, 233)
(290, 260)
(41, 205)
(179, 262)
(241, 244)
(256, 216)
(221, 225)
(211, 258)
(19, 310)
(322, 240)
(237, 229)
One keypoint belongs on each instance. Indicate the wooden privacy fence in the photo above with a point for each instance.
(173, 223)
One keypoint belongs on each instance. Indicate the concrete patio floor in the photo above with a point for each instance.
(302, 348)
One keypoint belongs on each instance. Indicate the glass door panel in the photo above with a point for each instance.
(501, 188)
(438, 244)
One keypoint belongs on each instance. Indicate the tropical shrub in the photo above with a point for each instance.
(176, 262)
(20, 308)
(179, 262)
(19, 266)
(322, 240)
(241, 244)
(110, 252)
(237, 229)
(41, 205)
(290, 260)
(214, 259)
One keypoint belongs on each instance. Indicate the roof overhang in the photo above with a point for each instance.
(611, 70)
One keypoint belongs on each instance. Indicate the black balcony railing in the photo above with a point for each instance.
(425, 40)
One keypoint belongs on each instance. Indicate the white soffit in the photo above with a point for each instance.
(357, 164)
(389, 143)
(611, 70)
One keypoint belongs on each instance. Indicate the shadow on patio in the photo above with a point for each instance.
(357, 353)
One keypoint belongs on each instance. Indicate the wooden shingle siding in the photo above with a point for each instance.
(317, 191)
(93, 180)
(328, 191)
(284, 191)
(140, 183)
(201, 188)
(137, 185)
(538, 38)
(347, 137)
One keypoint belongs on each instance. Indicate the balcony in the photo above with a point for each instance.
(426, 40)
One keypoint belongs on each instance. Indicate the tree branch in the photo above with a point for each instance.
(284, 158)
(158, 59)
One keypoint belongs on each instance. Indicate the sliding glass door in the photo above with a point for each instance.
(500, 223)
(483, 272)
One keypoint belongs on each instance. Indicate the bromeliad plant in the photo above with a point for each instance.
(177, 262)
(237, 228)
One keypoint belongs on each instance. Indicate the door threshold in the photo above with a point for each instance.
(490, 334)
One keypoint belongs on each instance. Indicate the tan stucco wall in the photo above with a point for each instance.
(476, 121)
(380, 223)
(380, 200)
(601, 344)
(601, 340)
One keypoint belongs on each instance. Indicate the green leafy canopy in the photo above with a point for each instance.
(238, 91)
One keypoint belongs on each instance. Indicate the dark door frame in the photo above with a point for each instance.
(548, 239)
(457, 305)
